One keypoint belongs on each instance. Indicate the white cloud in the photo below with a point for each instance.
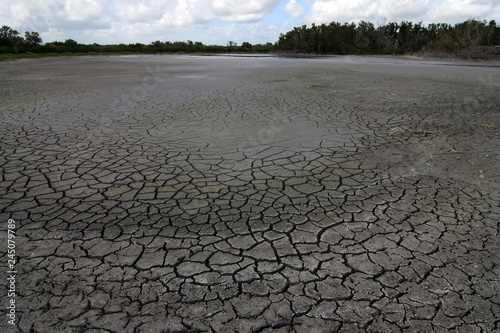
(342, 10)
(449, 11)
(189, 15)
(134, 18)
(131, 11)
(294, 9)
(243, 10)
(458, 10)
(83, 10)
(403, 9)
(183, 12)
(42, 16)
(24, 16)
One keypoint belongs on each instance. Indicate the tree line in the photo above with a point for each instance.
(12, 42)
(472, 39)
(392, 38)
(71, 45)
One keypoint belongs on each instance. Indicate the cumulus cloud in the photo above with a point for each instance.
(184, 12)
(243, 10)
(42, 16)
(342, 10)
(83, 10)
(134, 17)
(192, 19)
(403, 9)
(294, 9)
(141, 11)
(456, 10)
(450, 11)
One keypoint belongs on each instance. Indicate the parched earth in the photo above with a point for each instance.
(251, 194)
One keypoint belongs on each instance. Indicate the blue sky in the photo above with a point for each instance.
(219, 21)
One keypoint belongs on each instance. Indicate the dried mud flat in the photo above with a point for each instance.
(240, 194)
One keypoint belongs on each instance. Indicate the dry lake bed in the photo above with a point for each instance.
(249, 194)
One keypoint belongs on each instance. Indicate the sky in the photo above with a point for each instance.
(219, 21)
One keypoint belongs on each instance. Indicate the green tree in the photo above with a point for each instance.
(365, 35)
(70, 45)
(246, 46)
(10, 37)
(32, 39)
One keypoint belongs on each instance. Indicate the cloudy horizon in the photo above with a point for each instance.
(220, 21)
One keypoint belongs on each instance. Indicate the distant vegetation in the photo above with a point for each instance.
(31, 45)
(470, 39)
(12, 42)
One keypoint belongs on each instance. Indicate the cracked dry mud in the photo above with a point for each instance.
(229, 194)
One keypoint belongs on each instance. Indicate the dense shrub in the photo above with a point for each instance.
(391, 38)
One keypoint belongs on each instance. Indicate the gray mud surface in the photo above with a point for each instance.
(240, 194)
